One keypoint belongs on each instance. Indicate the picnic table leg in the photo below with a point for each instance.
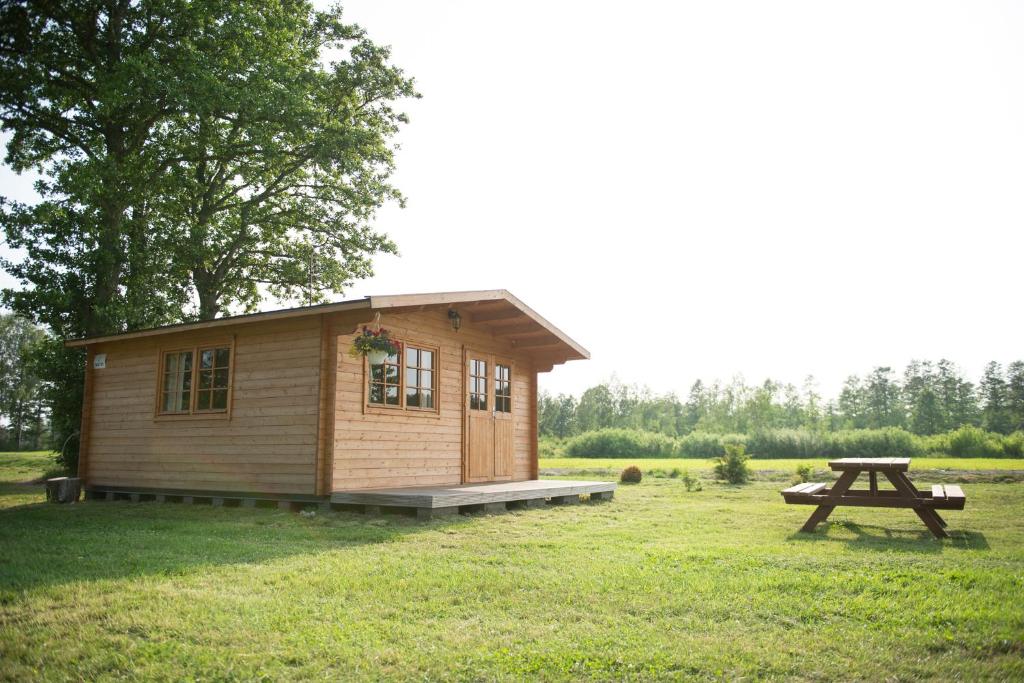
(930, 518)
(822, 512)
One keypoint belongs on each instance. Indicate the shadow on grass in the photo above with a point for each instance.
(874, 537)
(44, 545)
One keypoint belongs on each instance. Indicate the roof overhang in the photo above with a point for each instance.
(497, 310)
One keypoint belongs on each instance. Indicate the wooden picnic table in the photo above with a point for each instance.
(924, 503)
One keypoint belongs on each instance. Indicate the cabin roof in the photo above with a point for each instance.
(496, 309)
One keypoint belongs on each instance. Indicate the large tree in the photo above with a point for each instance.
(283, 165)
(187, 149)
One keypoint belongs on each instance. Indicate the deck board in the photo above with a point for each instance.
(470, 494)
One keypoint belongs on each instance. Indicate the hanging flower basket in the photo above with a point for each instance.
(375, 345)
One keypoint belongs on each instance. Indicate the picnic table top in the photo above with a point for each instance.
(893, 464)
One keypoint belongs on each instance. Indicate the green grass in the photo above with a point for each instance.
(658, 584)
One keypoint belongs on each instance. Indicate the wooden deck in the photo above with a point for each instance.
(434, 500)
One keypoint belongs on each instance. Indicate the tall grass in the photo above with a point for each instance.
(613, 443)
(966, 442)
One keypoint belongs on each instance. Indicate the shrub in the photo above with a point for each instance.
(804, 472)
(1013, 445)
(631, 475)
(675, 472)
(786, 443)
(691, 483)
(618, 443)
(872, 443)
(732, 465)
(972, 442)
(707, 445)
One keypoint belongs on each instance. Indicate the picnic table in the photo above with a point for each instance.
(925, 503)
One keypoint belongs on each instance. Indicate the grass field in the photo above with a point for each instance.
(658, 584)
(782, 467)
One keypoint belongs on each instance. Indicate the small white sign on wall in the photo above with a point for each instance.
(99, 361)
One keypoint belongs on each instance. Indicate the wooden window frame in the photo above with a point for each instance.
(194, 413)
(402, 408)
(510, 381)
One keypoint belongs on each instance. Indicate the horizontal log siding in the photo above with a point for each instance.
(269, 443)
(403, 448)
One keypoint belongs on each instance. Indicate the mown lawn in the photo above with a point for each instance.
(658, 584)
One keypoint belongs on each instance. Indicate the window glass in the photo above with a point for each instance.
(419, 378)
(212, 376)
(384, 382)
(477, 384)
(502, 388)
(177, 384)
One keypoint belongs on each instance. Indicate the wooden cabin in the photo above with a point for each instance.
(274, 406)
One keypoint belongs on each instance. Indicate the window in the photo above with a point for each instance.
(502, 388)
(477, 384)
(212, 391)
(407, 380)
(419, 378)
(177, 391)
(385, 382)
(187, 387)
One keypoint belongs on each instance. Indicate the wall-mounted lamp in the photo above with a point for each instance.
(456, 319)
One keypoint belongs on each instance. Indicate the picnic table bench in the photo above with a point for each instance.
(906, 495)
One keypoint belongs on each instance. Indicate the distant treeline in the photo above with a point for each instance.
(929, 398)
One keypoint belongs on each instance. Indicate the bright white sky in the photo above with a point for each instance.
(771, 189)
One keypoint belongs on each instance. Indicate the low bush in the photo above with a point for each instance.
(706, 445)
(1013, 445)
(732, 465)
(620, 443)
(631, 475)
(786, 443)
(804, 472)
(972, 442)
(690, 482)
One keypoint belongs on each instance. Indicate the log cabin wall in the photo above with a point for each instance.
(268, 442)
(386, 447)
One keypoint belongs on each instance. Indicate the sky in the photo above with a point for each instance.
(704, 190)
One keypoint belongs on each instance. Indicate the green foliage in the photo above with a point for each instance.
(704, 445)
(631, 475)
(732, 465)
(967, 442)
(613, 443)
(930, 398)
(691, 482)
(804, 472)
(22, 389)
(1013, 445)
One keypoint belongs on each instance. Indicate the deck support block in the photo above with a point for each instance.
(535, 503)
(160, 498)
(248, 502)
(284, 505)
(188, 500)
(134, 497)
(217, 502)
(427, 514)
(494, 508)
(375, 510)
(601, 496)
(111, 496)
(566, 500)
